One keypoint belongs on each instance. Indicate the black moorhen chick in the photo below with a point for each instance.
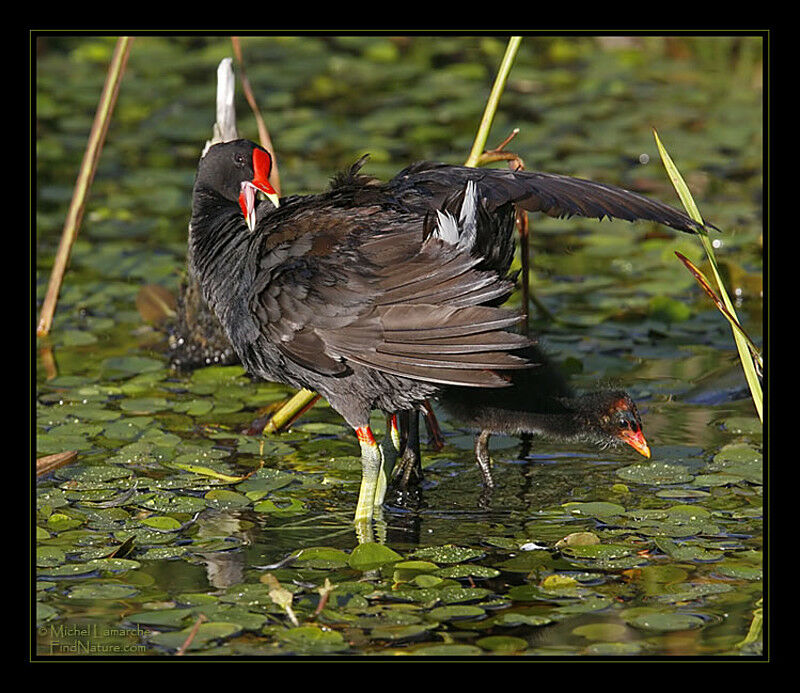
(341, 292)
(540, 402)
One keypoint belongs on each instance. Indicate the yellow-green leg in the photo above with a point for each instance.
(371, 474)
(390, 447)
(376, 463)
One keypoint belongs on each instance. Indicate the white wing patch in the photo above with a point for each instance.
(464, 231)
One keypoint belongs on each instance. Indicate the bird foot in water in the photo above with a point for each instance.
(483, 459)
(407, 472)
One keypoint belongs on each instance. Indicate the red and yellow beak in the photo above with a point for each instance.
(262, 166)
(636, 440)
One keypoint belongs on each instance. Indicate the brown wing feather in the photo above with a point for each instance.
(415, 316)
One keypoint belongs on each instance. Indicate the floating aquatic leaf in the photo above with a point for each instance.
(585, 605)
(221, 498)
(666, 622)
(602, 631)
(203, 635)
(502, 644)
(613, 649)
(162, 523)
(655, 473)
(102, 590)
(369, 555)
(467, 570)
(448, 650)
(144, 405)
(280, 508)
(599, 509)
(312, 640)
(456, 613)
(166, 502)
(130, 365)
(163, 553)
(49, 556)
(597, 551)
(740, 459)
(559, 583)
(526, 562)
(448, 553)
(578, 539)
(743, 424)
(400, 632)
(322, 557)
(423, 581)
(170, 618)
(739, 570)
(217, 374)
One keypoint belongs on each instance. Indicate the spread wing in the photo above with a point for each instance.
(427, 183)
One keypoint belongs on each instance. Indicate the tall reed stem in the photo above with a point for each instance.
(494, 99)
(94, 146)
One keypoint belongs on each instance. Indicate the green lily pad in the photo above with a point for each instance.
(223, 499)
(206, 633)
(739, 570)
(369, 555)
(144, 405)
(597, 551)
(613, 649)
(162, 523)
(502, 644)
(280, 508)
(602, 631)
(451, 595)
(174, 503)
(400, 632)
(456, 612)
(312, 640)
(130, 365)
(598, 509)
(666, 622)
(655, 473)
(448, 650)
(264, 481)
(322, 557)
(102, 590)
(511, 619)
(49, 556)
(466, 570)
(162, 618)
(448, 553)
(743, 424)
(217, 374)
(114, 565)
(578, 539)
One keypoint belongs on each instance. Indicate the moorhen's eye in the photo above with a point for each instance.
(628, 425)
(239, 159)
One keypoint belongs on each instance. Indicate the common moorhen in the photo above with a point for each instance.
(540, 402)
(343, 293)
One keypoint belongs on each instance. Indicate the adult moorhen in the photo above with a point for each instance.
(341, 293)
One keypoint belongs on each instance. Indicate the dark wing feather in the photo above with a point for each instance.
(427, 185)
